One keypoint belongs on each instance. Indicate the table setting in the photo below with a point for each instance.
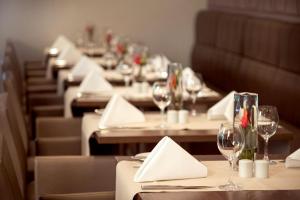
(162, 172)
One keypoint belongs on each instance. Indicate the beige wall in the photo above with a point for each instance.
(167, 26)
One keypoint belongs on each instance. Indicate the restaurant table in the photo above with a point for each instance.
(282, 181)
(222, 195)
(79, 105)
(65, 80)
(199, 130)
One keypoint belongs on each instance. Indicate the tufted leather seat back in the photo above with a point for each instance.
(243, 53)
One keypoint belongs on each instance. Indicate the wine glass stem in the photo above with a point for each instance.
(127, 80)
(162, 114)
(194, 98)
(266, 154)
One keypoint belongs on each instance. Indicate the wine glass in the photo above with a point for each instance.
(193, 85)
(230, 143)
(268, 120)
(162, 98)
(126, 71)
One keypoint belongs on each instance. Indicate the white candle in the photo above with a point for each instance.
(261, 168)
(246, 168)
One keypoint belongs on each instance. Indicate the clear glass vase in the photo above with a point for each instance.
(175, 85)
(245, 121)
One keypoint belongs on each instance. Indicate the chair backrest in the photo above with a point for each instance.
(11, 59)
(14, 142)
(15, 110)
(8, 67)
(9, 188)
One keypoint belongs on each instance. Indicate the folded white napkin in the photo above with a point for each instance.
(118, 111)
(94, 83)
(70, 54)
(83, 67)
(160, 63)
(223, 109)
(187, 72)
(293, 160)
(169, 161)
(61, 43)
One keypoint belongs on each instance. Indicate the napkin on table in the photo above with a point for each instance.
(223, 109)
(94, 83)
(61, 43)
(70, 54)
(118, 111)
(83, 67)
(160, 63)
(169, 161)
(293, 160)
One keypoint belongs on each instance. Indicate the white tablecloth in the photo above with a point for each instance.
(281, 178)
(62, 76)
(127, 93)
(153, 119)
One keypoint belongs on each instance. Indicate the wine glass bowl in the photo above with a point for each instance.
(161, 97)
(126, 71)
(193, 85)
(268, 121)
(230, 143)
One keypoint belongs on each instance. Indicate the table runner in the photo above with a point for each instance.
(280, 178)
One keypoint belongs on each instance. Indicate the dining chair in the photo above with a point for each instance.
(9, 186)
(62, 177)
(54, 135)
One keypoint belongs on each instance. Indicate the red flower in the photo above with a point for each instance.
(172, 81)
(137, 59)
(108, 38)
(120, 48)
(244, 121)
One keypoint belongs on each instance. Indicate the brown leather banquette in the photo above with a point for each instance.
(243, 53)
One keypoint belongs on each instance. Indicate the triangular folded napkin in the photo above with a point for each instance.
(83, 67)
(223, 109)
(94, 83)
(70, 54)
(169, 161)
(160, 62)
(118, 111)
(293, 160)
(61, 43)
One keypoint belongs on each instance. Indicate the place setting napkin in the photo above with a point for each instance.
(222, 109)
(95, 85)
(71, 55)
(169, 161)
(118, 114)
(293, 160)
(61, 43)
(83, 67)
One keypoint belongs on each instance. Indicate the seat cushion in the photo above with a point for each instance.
(36, 73)
(41, 88)
(39, 81)
(58, 146)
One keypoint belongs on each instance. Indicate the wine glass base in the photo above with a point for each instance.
(230, 186)
(272, 162)
(162, 126)
(194, 113)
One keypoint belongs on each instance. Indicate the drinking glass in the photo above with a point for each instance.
(193, 85)
(162, 98)
(126, 71)
(230, 143)
(268, 120)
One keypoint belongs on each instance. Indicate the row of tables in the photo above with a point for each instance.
(198, 135)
